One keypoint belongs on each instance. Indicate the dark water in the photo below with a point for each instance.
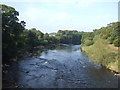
(63, 67)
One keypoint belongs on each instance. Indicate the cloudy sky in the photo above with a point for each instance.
(53, 15)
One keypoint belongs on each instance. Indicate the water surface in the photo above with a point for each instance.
(63, 67)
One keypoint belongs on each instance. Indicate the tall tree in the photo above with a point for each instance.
(11, 30)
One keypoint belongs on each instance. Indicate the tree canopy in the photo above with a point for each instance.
(16, 37)
(11, 31)
(110, 33)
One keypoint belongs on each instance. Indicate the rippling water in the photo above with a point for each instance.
(63, 67)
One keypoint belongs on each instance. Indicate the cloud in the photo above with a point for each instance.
(87, 3)
(43, 17)
(37, 1)
(34, 14)
(61, 1)
(60, 14)
(83, 3)
(106, 16)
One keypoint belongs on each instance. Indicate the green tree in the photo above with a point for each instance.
(11, 31)
(69, 36)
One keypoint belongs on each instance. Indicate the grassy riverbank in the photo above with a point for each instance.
(101, 53)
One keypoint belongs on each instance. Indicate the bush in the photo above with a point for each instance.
(105, 36)
(110, 40)
(45, 42)
(116, 43)
(89, 42)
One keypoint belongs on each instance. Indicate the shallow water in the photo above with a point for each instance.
(63, 67)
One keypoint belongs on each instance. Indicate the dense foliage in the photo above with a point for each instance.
(11, 31)
(110, 33)
(69, 37)
(102, 44)
(87, 38)
(16, 38)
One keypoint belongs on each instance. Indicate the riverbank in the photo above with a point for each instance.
(29, 52)
(101, 53)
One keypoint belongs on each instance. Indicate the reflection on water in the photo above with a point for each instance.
(63, 67)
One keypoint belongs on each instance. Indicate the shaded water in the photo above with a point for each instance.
(63, 67)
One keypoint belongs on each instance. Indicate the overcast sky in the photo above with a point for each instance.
(53, 15)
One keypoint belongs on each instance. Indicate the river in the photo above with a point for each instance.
(64, 67)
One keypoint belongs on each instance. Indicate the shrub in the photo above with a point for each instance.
(89, 42)
(110, 40)
(105, 36)
(116, 43)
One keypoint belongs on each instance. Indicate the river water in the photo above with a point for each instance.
(63, 67)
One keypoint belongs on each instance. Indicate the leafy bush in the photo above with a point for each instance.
(105, 36)
(89, 42)
(116, 43)
(110, 40)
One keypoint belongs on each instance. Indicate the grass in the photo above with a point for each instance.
(101, 53)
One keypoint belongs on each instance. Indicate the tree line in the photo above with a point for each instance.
(110, 33)
(100, 45)
(16, 37)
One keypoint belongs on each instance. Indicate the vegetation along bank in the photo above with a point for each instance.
(101, 45)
